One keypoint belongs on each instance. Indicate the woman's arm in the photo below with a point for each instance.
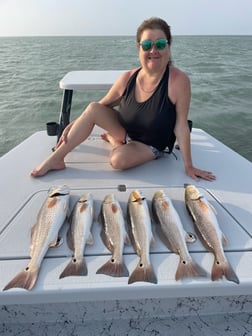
(181, 92)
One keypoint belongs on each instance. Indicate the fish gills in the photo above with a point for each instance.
(114, 236)
(172, 233)
(44, 234)
(141, 235)
(209, 231)
(78, 235)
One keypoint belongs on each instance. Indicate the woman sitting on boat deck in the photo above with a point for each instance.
(153, 109)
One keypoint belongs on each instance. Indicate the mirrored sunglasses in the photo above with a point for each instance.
(159, 44)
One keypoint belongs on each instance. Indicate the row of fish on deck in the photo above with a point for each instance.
(114, 234)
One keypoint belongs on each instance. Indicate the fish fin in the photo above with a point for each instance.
(56, 242)
(106, 241)
(70, 239)
(25, 279)
(90, 240)
(75, 267)
(66, 210)
(224, 240)
(189, 269)
(127, 239)
(152, 241)
(143, 273)
(191, 212)
(223, 268)
(213, 208)
(113, 269)
(33, 230)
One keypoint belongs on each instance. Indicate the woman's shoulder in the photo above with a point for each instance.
(177, 75)
(123, 80)
(127, 74)
(179, 84)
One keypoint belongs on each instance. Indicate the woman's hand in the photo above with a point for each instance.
(196, 174)
(63, 138)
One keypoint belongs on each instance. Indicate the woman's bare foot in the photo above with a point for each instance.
(46, 166)
(114, 143)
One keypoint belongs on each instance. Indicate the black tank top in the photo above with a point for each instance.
(152, 121)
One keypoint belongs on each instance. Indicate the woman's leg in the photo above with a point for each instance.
(130, 155)
(94, 114)
(113, 142)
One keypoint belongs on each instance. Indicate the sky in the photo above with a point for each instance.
(122, 17)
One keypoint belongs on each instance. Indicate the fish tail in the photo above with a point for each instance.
(189, 269)
(114, 269)
(143, 273)
(75, 267)
(25, 279)
(223, 268)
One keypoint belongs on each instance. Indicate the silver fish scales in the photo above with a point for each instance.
(209, 231)
(79, 234)
(141, 236)
(172, 233)
(44, 234)
(114, 236)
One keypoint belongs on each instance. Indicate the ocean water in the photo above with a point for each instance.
(220, 69)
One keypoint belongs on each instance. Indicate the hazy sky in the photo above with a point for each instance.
(122, 17)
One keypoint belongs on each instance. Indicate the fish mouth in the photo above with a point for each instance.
(85, 198)
(59, 191)
(137, 197)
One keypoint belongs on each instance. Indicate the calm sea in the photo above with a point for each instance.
(220, 69)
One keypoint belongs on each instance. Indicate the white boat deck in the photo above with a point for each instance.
(95, 302)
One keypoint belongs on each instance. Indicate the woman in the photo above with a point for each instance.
(153, 105)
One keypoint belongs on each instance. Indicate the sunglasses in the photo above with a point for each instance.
(160, 44)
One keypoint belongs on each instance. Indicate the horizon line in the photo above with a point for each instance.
(117, 35)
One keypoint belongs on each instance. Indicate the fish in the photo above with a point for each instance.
(44, 234)
(207, 226)
(170, 230)
(139, 221)
(79, 234)
(114, 236)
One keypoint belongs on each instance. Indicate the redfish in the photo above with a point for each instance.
(172, 233)
(44, 235)
(114, 236)
(79, 234)
(209, 231)
(141, 235)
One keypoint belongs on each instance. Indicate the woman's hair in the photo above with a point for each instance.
(154, 23)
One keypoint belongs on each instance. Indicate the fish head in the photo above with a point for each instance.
(58, 190)
(110, 198)
(85, 198)
(161, 201)
(191, 193)
(135, 196)
(160, 194)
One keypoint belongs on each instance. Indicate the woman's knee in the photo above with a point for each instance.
(93, 106)
(117, 160)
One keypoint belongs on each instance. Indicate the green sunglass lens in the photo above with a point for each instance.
(146, 45)
(160, 44)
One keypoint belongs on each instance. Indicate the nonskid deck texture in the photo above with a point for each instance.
(99, 304)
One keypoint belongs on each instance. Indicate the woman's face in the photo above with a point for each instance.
(154, 59)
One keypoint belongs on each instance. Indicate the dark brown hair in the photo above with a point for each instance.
(154, 23)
